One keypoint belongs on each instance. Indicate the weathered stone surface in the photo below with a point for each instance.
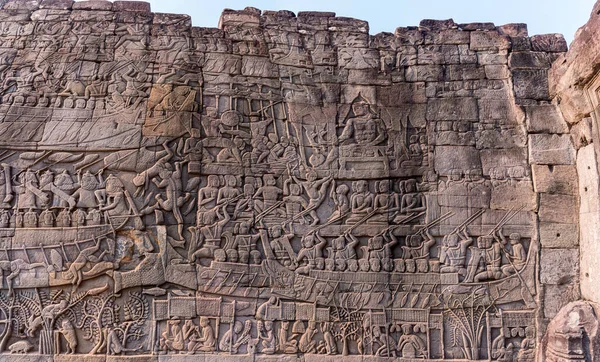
(581, 133)
(489, 40)
(550, 43)
(531, 84)
(516, 195)
(131, 6)
(526, 60)
(558, 208)
(559, 236)
(285, 187)
(589, 215)
(57, 4)
(559, 266)
(574, 333)
(557, 297)
(496, 72)
(555, 179)
(452, 109)
(513, 30)
(545, 119)
(93, 5)
(551, 149)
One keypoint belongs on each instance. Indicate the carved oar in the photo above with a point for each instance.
(268, 210)
(507, 217)
(468, 221)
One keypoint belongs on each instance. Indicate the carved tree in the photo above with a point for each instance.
(466, 316)
(347, 326)
(99, 314)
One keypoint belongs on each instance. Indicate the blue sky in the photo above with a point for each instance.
(542, 16)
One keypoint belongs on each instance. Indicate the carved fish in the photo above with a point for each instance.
(156, 292)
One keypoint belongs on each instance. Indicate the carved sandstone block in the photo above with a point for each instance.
(551, 149)
(545, 119)
(560, 179)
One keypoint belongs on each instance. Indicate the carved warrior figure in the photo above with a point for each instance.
(293, 214)
(453, 253)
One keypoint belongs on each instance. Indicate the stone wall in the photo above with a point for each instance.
(287, 184)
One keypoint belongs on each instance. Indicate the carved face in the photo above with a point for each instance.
(213, 181)
(342, 190)
(377, 242)
(270, 180)
(308, 241)
(238, 327)
(165, 174)
(244, 228)
(203, 322)
(338, 243)
(231, 181)
(248, 190)
(452, 240)
(515, 238)
(411, 186)
(415, 240)
(295, 189)
(406, 329)
(88, 181)
(361, 186)
(360, 108)
(276, 231)
(384, 187)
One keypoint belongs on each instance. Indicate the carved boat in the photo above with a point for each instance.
(320, 286)
(53, 237)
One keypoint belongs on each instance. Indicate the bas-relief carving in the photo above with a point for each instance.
(163, 194)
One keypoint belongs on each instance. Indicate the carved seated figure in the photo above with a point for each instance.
(362, 133)
(342, 256)
(229, 341)
(486, 259)
(417, 248)
(361, 202)
(267, 197)
(311, 254)
(342, 203)
(412, 200)
(518, 257)
(384, 203)
(377, 255)
(267, 336)
(453, 253)
(206, 237)
(295, 203)
(207, 341)
(285, 343)
(245, 207)
(280, 244)
(172, 338)
(410, 345)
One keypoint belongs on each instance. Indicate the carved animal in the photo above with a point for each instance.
(20, 347)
